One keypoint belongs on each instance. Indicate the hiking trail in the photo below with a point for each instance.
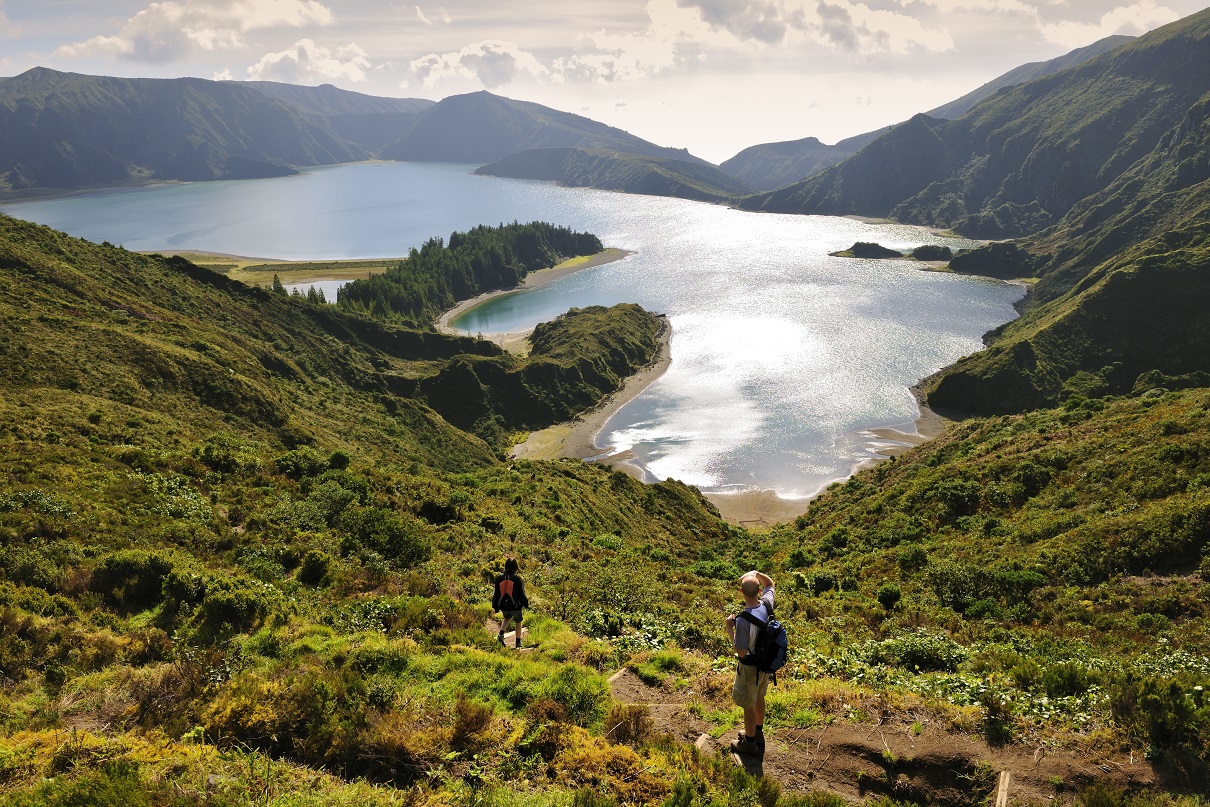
(905, 755)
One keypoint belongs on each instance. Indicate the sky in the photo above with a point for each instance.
(713, 76)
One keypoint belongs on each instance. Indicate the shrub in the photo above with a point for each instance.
(400, 539)
(821, 582)
(131, 580)
(629, 724)
(314, 567)
(1065, 679)
(888, 596)
(912, 558)
(471, 719)
(229, 607)
(921, 651)
(302, 462)
(580, 691)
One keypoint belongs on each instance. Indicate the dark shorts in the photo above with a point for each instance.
(513, 615)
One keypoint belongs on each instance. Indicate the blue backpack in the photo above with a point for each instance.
(772, 644)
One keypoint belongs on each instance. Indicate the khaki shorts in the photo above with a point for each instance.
(750, 685)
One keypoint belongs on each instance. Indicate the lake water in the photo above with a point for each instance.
(783, 358)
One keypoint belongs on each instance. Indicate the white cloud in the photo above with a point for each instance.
(760, 20)
(493, 62)
(420, 16)
(172, 31)
(857, 28)
(223, 75)
(305, 62)
(1132, 19)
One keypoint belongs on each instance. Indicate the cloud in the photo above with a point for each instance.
(305, 62)
(856, 28)
(493, 62)
(172, 31)
(759, 20)
(420, 16)
(223, 75)
(1133, 19)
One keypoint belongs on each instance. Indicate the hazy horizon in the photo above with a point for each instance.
(713, 76)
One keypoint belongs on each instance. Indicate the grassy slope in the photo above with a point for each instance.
(216, 522)
(1058, 544)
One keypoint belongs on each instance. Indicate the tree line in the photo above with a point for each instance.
(436, 276)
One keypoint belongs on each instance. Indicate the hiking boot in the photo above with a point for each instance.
(500, 637)
(759, 740)
(518, 642)
(746, 745)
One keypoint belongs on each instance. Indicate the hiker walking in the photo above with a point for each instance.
(509, 598)
(750, 686)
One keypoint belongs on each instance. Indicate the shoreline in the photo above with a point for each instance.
(761, 508)
(576, 439)
(518, 341)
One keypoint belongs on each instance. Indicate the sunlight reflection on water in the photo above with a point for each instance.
(782, 355)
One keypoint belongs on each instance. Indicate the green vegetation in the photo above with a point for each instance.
(613, 171)
(436, 276)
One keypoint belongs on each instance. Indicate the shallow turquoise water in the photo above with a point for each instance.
(783, 357)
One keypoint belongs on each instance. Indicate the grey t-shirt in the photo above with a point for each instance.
(745, 631)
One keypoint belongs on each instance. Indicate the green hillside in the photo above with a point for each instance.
(367, 121)
(65, 130)
(614, 171)
(237, 536)
(1053, 566)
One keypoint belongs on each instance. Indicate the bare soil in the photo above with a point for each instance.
(899, 755)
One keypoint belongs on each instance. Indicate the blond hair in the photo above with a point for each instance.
(749, 586)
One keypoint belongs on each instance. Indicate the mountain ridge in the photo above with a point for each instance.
(482, 127)
(68, 130)
(770, 166)
(612, 171)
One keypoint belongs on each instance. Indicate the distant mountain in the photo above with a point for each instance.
(368, 121)
(66, 130)
(481, 128)
(775, 165)
(1021, 159)
(771, 166)
(614, 171)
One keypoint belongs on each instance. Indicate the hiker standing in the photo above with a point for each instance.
(509, 598)
(751, 684)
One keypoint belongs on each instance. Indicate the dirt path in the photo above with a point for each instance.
(899, 756)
